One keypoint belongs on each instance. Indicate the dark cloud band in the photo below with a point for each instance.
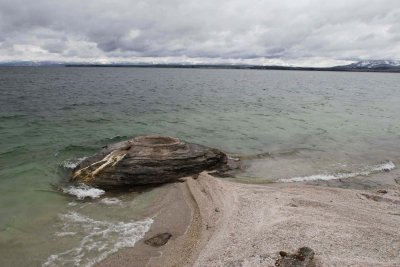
(300, 32)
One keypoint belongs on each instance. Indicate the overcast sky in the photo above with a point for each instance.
(283, 32)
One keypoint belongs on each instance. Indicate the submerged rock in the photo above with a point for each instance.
(146, 160)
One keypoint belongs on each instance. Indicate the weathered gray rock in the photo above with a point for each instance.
(146, 160)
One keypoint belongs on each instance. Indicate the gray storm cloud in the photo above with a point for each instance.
(302, 32)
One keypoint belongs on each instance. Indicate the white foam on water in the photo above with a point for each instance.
(314, 178)
(62, 234)
(386, 166)
(83, 191)
(111, 201)
(72, 163)
(99, 239)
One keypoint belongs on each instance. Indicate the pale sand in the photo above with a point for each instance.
(172, 213)
(247, 225)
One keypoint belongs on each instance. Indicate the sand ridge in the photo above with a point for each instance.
(222, 223)
(344, 227)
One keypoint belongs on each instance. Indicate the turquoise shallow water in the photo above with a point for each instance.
(304, 123)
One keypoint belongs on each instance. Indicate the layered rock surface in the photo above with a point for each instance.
(146, 160)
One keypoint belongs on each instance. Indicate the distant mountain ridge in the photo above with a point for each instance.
(374, 64)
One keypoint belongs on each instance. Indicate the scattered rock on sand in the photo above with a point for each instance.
(158, 240)
(302, 258)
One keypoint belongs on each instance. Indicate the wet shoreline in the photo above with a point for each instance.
(225, 216)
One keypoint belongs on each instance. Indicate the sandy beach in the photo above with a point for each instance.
(215, 222)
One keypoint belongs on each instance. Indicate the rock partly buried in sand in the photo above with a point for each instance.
(158, 240)
(146, 160)
(303, 258)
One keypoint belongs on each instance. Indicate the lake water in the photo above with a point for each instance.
(284, 124)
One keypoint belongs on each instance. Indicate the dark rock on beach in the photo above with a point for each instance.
(147, 160)
(302, 258)
(158, 240)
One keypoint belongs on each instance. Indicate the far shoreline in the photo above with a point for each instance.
(205, 66)
(237, 67)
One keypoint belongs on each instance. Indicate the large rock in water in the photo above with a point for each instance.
(146, 160)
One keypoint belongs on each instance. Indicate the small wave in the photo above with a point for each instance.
(72, 163)
(111, 201)
(78, 148)
(97, 120)
(320, 177)
(62, 234)
(83, 191)
(386, 166)
(100, 239)
(114, 139)
(12, 116)
(18, 150)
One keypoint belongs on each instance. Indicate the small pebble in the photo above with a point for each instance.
(283, 254)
